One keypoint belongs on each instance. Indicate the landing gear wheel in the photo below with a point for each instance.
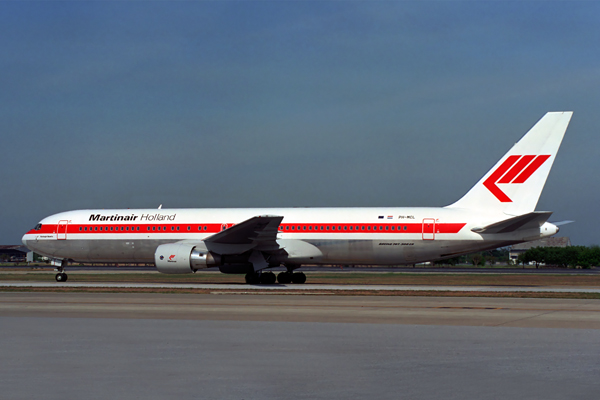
(267, 278)
(61, 277)
(284, 277)
(298, 277)
(252, 278)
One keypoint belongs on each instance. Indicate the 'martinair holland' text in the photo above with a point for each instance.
(132, 217)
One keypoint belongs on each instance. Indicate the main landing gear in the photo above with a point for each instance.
(268, 278)
(291, 277)
(61, 277)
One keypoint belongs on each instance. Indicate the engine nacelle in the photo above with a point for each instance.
(184, 258)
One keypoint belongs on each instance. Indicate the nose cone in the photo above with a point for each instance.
(29, 241)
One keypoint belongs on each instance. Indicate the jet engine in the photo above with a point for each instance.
(184, 258)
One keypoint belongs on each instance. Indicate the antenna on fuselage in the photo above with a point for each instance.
(160, 207)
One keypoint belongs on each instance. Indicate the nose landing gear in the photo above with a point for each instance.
(61, 277)
(60, 268)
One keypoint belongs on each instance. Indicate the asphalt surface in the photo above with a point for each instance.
(293, 288)
(157, 346)
(418, 269)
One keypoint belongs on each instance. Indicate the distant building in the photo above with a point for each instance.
(16, 252)
(520, 248)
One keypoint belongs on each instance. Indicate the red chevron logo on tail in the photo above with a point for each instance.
(514, 170)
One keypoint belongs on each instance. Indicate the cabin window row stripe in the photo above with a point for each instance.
(283, 228)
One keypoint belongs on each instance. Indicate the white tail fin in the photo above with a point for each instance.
(513, 186)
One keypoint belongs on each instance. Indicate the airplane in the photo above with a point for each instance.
(498, 211)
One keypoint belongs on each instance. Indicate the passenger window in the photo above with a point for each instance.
(189, 228)
(127, 228)
(369, 228)
(80, 229)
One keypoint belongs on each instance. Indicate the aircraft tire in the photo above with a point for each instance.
(252, 278)
(298, 277)
(284, 277)
(61, 277)
(267, 278)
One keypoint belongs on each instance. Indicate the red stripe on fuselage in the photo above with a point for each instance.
(214, 228)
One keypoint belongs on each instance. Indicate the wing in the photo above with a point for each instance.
(258, 233)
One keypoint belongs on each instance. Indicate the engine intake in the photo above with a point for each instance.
(184, 258)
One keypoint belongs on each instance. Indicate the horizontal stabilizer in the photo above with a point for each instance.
(531, 220)
(561, 223)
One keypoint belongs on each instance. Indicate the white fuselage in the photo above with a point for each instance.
(358, 236)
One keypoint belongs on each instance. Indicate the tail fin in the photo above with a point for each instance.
(513, 186)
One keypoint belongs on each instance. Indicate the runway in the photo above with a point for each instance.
(270, 346)
(545, 313)
(299, 288)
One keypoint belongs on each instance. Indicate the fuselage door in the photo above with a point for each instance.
(61, 230)
(428, 229)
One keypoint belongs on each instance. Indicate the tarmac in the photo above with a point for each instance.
(296, 346)
(292, 288)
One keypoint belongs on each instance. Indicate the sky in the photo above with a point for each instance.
(292, 103)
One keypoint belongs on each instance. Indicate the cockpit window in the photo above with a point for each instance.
(38, 227)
